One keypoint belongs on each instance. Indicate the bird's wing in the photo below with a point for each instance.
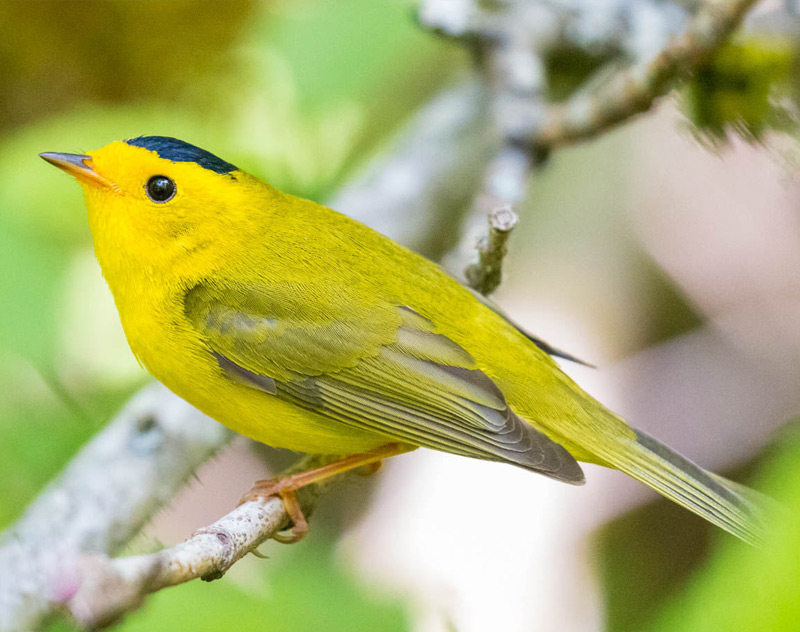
(381, 368)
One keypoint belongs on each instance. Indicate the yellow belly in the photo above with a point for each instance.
(173, 352)
(272, 421)
(177, 358)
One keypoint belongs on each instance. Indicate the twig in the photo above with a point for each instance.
(515, 72)
(106, 589)
(485, 274)
(635, 89)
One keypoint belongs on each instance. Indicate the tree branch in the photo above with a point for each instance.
(423, 182)
(106, 589)
(514, 71)
(102, 499)
(634, 90)
(530, 126)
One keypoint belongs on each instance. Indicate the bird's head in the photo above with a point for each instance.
(158, 200)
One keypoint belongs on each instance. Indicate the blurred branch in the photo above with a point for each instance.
(426, 177)
(110, 588)
(101, 500)
(514, 38)
(634, 89)
(515, 76)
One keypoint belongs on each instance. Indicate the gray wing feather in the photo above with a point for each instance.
(422, 389)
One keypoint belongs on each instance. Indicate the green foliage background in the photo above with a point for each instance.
(301, 93)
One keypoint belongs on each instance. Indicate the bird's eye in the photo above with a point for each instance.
(160, 188)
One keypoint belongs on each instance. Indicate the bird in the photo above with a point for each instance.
(302, 328)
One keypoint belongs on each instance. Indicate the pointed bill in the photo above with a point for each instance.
(77, 165)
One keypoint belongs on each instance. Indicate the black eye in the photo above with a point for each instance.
(160, 188)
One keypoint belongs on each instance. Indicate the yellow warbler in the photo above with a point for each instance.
(304, 329)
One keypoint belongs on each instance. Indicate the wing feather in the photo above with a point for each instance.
(382, 368)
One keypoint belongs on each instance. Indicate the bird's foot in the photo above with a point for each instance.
(282, 488)
(286, 486)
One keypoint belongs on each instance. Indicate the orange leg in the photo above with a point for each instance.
(285, 487)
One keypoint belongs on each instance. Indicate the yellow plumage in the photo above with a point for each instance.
(304, 329)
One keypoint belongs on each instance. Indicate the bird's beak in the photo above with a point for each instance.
(77, 165)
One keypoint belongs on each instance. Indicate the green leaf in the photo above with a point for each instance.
(737, 90)
(40, 430)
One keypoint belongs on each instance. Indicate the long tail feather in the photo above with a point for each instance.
(722, 502)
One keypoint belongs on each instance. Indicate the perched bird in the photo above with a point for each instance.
(303, 329)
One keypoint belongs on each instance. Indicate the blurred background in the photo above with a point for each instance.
(667, 252)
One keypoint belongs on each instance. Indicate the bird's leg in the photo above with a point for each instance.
(286, 486)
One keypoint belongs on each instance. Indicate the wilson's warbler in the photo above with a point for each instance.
(304, 329)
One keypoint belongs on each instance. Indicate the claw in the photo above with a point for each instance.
(299, 528)
(278, 488)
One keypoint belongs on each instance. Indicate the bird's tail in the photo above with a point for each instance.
(724, 503)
